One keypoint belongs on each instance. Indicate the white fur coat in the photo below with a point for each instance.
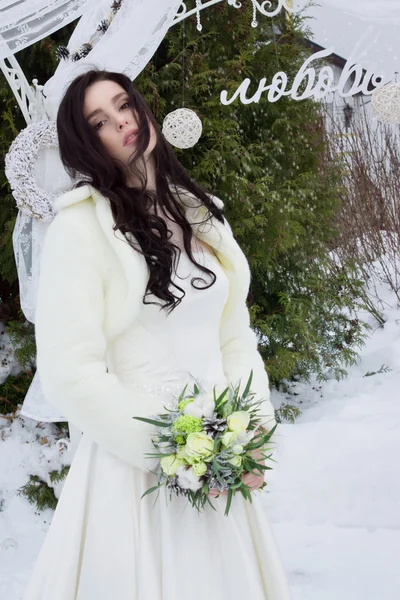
(90, 291)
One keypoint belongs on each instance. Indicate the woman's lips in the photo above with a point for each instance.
(131, 140)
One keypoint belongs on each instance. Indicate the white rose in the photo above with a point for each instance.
(170, 464)
(199, 445)
(187, 479)
(237, 449)
(239, 421)
(236, 461)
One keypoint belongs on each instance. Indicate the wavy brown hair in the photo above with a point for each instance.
(86, 159)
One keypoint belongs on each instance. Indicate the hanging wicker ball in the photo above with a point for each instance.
(386, 103)
(182, 128)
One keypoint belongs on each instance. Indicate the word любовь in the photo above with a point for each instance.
(315, 87)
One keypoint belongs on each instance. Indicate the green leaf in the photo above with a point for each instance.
(152, 489)
(228, 501)
(248, 384)
(152, 422)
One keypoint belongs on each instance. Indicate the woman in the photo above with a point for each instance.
(114, 342)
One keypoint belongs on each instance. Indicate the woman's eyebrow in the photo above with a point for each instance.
(97, 110)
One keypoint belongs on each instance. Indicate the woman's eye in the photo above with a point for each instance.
(125, 104)
(98, 125)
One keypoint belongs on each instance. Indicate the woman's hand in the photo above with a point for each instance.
(253, 482)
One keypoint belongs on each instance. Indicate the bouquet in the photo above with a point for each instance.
(207, 441)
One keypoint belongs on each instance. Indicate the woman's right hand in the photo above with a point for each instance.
(216, 492)
(253, 482)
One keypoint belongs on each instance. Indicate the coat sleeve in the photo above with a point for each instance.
(240, 355)
(71, 348)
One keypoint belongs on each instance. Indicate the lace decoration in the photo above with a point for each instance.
(35, 406)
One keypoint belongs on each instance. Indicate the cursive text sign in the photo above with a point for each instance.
(317, 84)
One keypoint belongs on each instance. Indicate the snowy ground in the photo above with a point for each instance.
(334, 496)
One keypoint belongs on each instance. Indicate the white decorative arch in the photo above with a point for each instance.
(21, 31)
(264, 8)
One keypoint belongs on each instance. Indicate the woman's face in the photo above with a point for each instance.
(106, 108)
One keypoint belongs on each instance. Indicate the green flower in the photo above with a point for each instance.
(187, 424)
(179, 439)
(184, 403)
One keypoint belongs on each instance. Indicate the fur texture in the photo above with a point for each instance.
(90, 291)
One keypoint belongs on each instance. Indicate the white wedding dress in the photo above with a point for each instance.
(107, 543)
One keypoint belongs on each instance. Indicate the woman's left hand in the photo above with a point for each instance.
(254, 482)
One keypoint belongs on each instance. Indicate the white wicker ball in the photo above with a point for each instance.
(386, 103)
(182, 128)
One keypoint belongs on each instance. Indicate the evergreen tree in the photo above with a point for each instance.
(267, 162)
(263, 159)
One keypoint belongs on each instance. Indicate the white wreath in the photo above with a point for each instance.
(20, 169)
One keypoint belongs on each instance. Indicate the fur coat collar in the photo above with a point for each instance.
(136, 272)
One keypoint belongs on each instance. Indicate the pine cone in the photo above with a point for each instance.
(104, 25)
(84, 50)
(115, 6)
(76, 56)
(214, 425)
(174, 486)
(62, 52)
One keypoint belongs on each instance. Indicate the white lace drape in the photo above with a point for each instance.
(135, 33)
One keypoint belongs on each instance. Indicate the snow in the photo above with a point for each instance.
(333, 497)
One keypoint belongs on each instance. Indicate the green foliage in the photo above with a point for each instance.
(13, 392)
(57, 476)
(22, 336)
(312, 326)
(287, 412)
(39, 492)
(62, 427)
(267, 161)
(383, 369)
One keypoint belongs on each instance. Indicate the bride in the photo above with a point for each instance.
(142, 289)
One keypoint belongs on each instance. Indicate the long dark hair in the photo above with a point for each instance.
(87, 160)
